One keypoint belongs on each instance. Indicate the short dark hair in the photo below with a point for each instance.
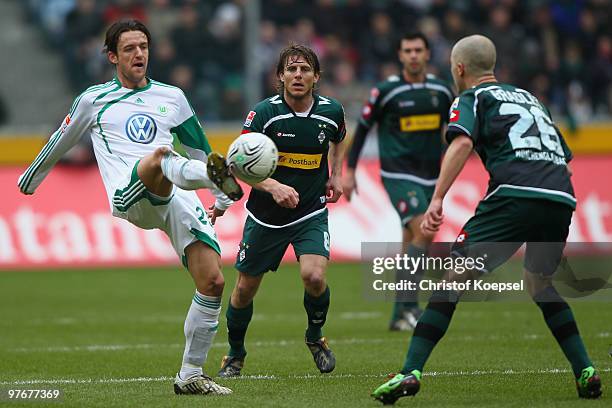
(119, 27)
(295, 50)
(413, 35)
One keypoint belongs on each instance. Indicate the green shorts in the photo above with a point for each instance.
(408, 198)
(501, 225)
(262, 248)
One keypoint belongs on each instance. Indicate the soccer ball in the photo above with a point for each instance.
(252, 157)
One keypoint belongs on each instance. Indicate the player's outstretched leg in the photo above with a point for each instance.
(560, 320)
(430, 328)
(195, 174)
(202, 321)
(239, 314)
(316, 303)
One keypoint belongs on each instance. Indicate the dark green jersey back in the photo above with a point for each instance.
(517, 141)
(303, 141)
(410, 119)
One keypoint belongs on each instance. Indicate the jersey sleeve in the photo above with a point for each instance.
(449, 97)
(341, 132)
(254, 121)
(77, 123)
(189, 131)
(462, 118)
(371, 109)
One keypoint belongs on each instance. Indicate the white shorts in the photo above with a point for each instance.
(181, 215)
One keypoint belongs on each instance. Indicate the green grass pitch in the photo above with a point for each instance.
(113, 338)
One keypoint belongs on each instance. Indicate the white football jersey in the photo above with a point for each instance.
(125, 125)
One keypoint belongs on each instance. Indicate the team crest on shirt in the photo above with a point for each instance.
(321, 137)
(141, 128)
(435, 101)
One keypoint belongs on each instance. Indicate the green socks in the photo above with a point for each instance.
(560, 320)
(431, 327)
(237, 323)
(316, 309)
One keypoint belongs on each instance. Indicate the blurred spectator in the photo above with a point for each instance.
(439, 47)
(190, 37)
(560, 49)
(163, 17)
(506, 36)
(379, 44)
(455, 25)
(267, 50)
(283, 12)
(163, 58)
(118, 9)
(51, 15)
(83, 28)
(182, 75)
(599, 78)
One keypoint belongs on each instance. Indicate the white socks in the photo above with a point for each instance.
(184, 173)
(200, 330)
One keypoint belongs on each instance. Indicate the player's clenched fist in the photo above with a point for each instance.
(433, 217)
(285, 196)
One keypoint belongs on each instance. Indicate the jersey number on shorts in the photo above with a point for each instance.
(203, 218)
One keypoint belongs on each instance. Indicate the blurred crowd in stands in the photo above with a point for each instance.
(561, 50)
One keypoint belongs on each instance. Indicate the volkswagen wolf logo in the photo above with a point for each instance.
(141, 128)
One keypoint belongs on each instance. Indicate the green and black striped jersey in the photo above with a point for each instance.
(303, 141)
(411, 118)
(517, 141)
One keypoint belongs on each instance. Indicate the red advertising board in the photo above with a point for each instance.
(67, 223)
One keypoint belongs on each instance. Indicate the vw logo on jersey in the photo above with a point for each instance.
(141, 128)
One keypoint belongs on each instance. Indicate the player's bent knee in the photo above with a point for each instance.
(243, 295)
(204, 265)
(314, 279)
(211, 284)
(245, 290)
(535, 283)
(218, 283)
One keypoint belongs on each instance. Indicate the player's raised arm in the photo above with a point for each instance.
(78, 121)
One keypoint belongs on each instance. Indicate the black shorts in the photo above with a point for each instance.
(501, 225)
